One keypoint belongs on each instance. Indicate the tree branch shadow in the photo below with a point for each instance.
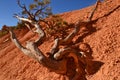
(94, 67)
(89, 25)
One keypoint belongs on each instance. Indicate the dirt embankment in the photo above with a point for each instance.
(104, 42)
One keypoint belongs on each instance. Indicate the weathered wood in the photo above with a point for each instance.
(34, 52)
(93, 11)
(57, 61)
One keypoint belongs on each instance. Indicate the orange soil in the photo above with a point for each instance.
(104, 41)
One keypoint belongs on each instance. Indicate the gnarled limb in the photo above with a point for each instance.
(31, 16)
(33, 51)
(55, 47)
(23, 19)
(27, 25)
(15, 40)
(59, 63)
(70, 51)
(69, 38)
(39, 30)
(25, 50)
(93, 11)
(41, 34)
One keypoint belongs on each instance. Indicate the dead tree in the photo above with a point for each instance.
(57, 60)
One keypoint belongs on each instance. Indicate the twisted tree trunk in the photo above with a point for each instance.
(57, 61)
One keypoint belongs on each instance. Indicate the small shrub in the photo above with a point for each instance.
(2, 33)
(57, 27)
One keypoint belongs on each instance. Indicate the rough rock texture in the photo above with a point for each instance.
(104, 42)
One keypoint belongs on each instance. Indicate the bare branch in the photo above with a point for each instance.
(31, 16)
(27, 25)
(30, 50)
(55, 46)
(41, 34)
(23, 19)
(68, 52)
(40, 10)
(63, 52)
(16, 42)
(39, 30)
(93, 11)
(20, 4)
(14, 39)
(59, 54)
(69, 38)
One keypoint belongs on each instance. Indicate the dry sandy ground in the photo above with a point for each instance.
(104, 42)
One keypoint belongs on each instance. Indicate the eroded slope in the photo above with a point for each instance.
(105, 44)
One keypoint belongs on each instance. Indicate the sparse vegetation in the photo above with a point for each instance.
(57, 27)
(2, 33)
(57, 56)
(20, 25)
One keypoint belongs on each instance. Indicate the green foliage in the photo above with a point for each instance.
(41, 6)
(32, 6)
(58, 27)
(20, 25)
(2, 33)
(39, 9)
